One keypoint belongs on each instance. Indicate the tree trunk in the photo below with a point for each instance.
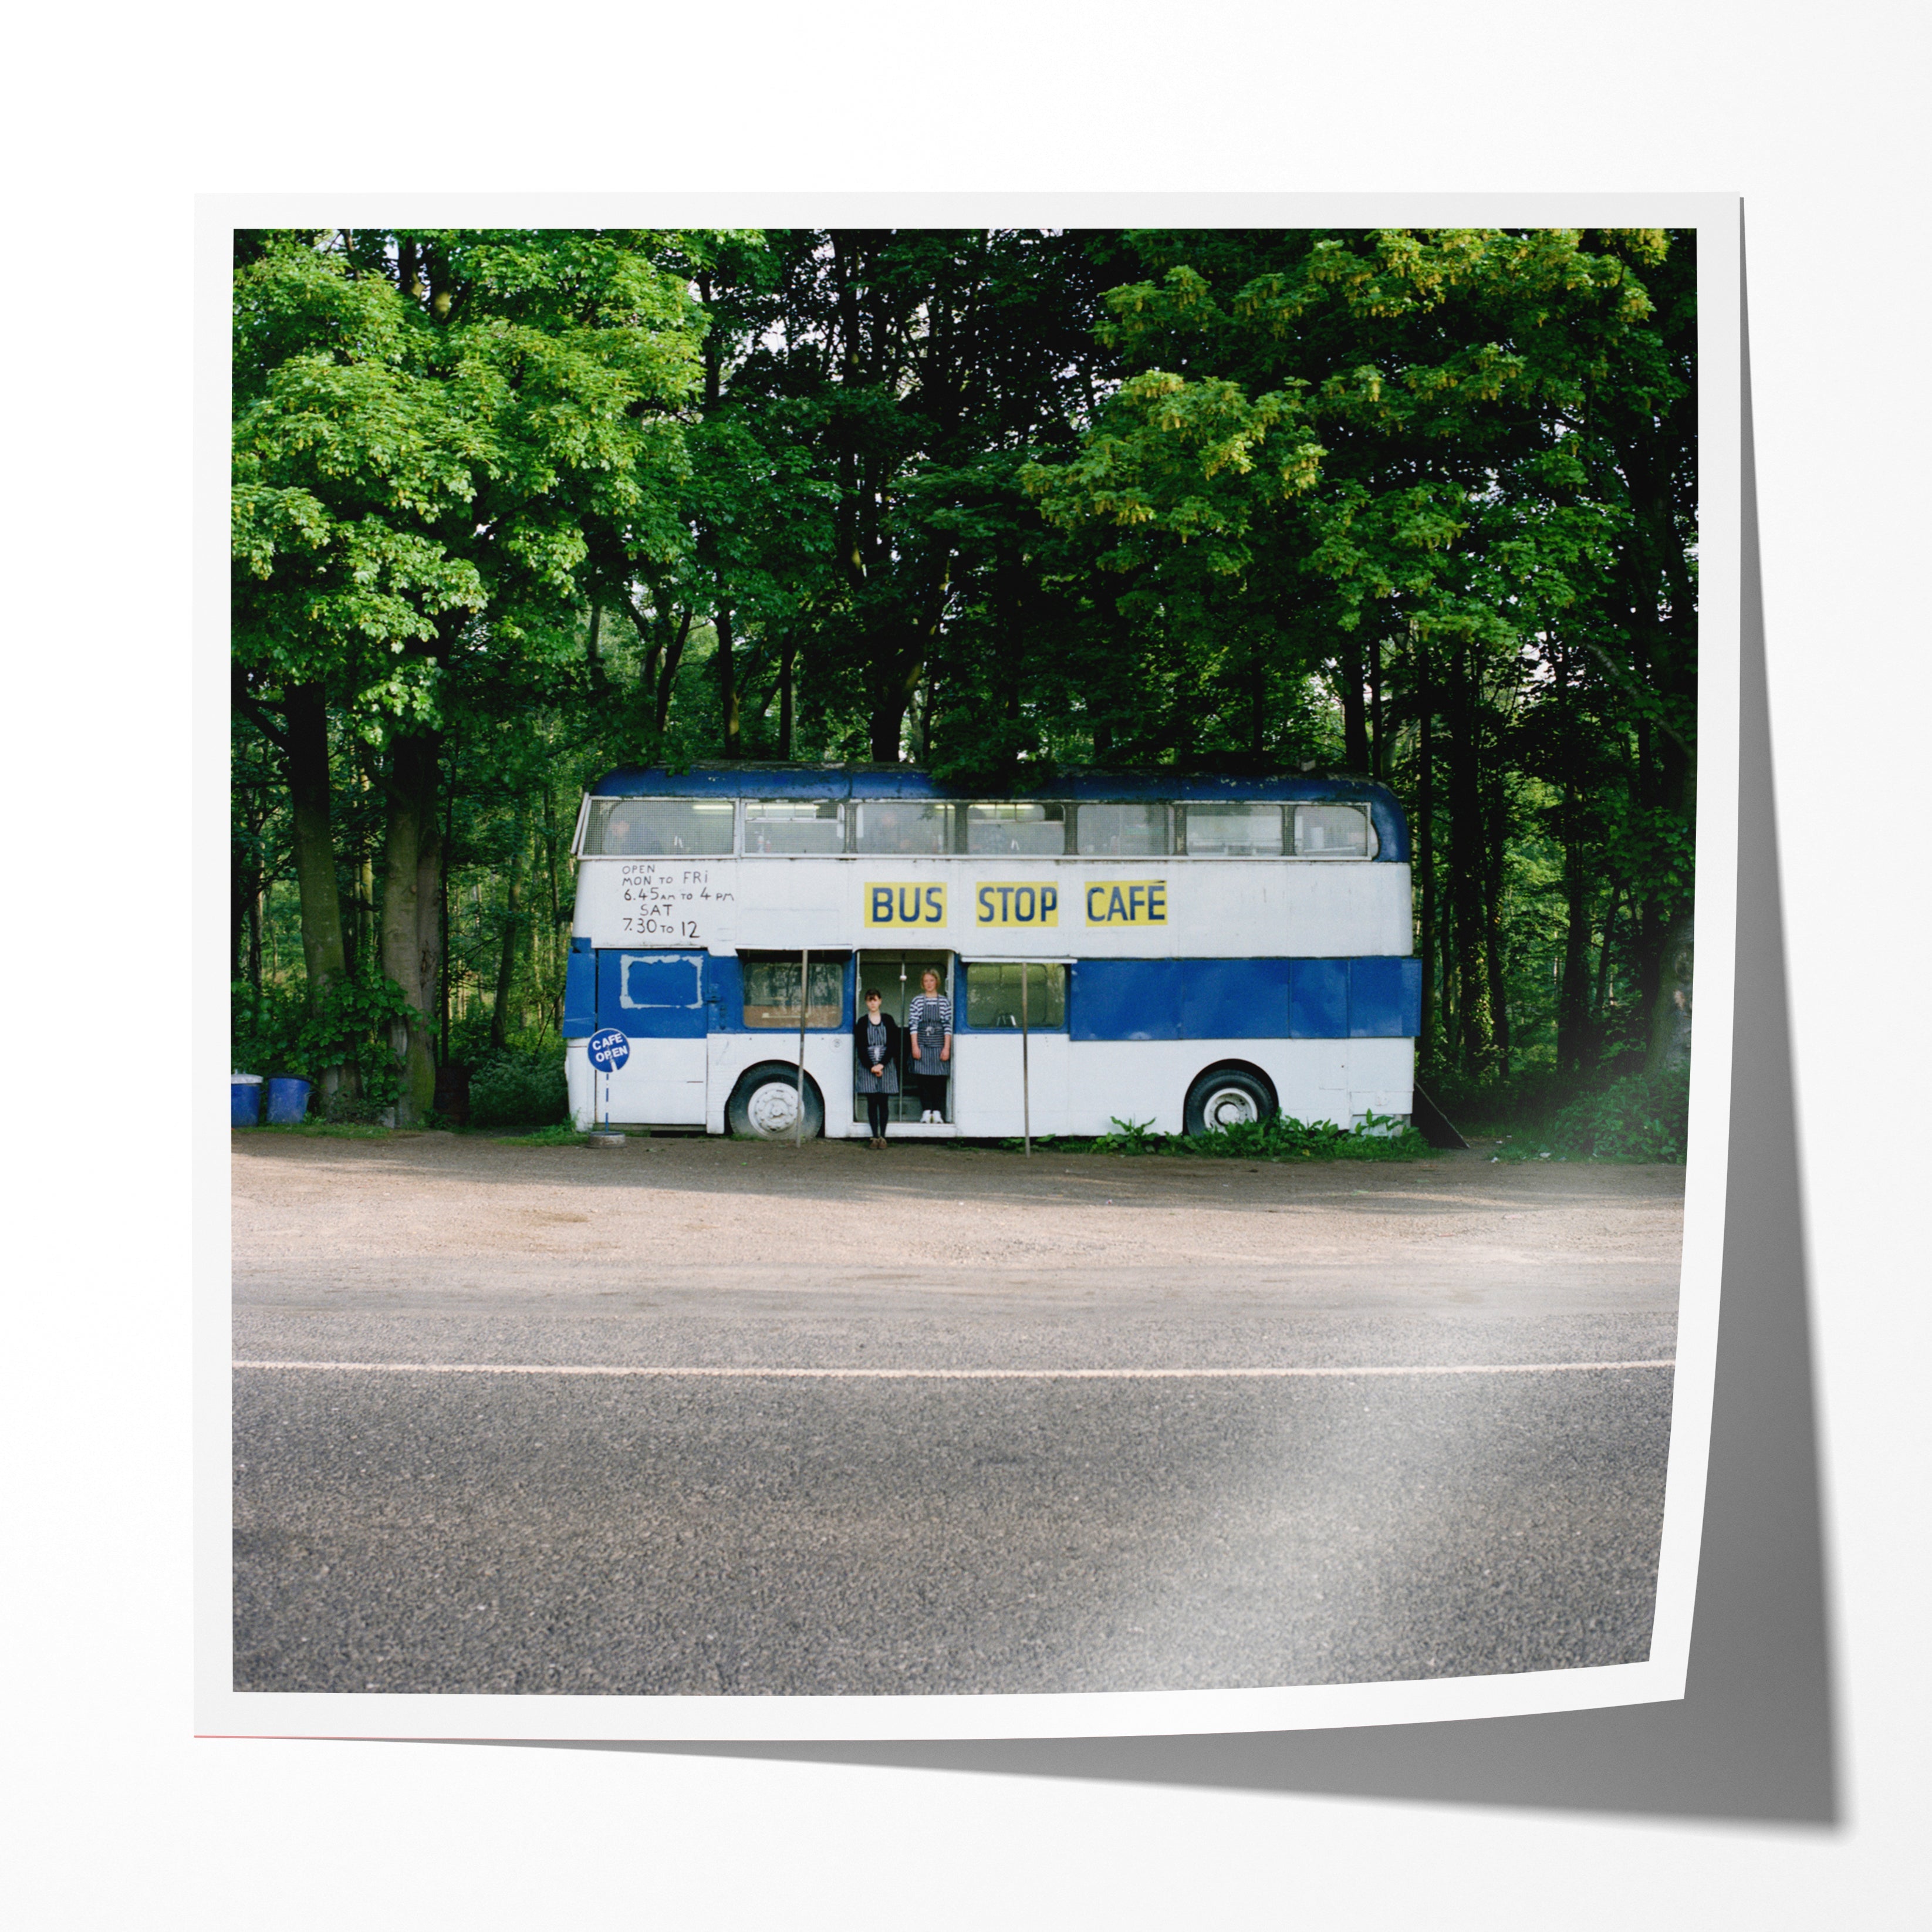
(1670, 1021)
(506, 958)
(323, 952)
(1496, 817)
(592, 651)
(1466, 868)
(787, 672)
(1257, 699)
(412, 896)
(1573, 993)
(255, 911)
(667, 675)
(728, 684)
(1427, 1046)
(1354, 716)
(1602, 1006)
(442, 916)
(1378, 758)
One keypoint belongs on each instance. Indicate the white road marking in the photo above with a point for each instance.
(958, 1375)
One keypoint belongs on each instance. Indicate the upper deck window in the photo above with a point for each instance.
(789, 825)
(1030, 831)
(1123, 831)
(1234, 831)
(654, 827)
(909, 828)
(1331, 832)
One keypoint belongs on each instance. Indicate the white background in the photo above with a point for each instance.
(114, 122)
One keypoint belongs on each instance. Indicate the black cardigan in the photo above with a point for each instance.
(860, 1057)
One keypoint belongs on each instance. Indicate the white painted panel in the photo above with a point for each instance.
(577, 1075)
(1216, 908)
(662, 1085)
(986, 1097)
(644, 903)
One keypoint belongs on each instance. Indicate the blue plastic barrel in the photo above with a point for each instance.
(288, 1101)
(244, 1100)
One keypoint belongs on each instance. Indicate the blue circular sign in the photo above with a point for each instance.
(608, 1050)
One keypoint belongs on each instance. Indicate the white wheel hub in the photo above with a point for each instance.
(1227, 1106)
(773, 1109)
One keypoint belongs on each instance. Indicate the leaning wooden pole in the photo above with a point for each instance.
(1026, 1087)
(804, 976)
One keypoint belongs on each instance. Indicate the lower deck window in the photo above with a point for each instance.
(993, 995)
(771, 990)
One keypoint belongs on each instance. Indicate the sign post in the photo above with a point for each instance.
(607, 1049)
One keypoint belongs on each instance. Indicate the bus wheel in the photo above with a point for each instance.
(1225, 1096)
(763, 1106)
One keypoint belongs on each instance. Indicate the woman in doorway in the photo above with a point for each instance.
(875, 1062)
(929, 1022)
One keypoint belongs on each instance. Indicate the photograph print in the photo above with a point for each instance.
(962, 973)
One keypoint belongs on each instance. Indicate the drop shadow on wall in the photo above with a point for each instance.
(1754, 1739)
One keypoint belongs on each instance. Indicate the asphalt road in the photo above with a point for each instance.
(466, 1499)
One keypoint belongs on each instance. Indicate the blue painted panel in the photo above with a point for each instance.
(1384, 998)
(1234, 999)
(1125, 999)
(580, 992)
(1318, 999)
(651, 995)
(724, 993)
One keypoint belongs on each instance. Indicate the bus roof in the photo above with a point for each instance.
(748, 779)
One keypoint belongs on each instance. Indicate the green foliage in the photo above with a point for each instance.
(1418, 504)
(278, 1034)
(1128, 1137)
(1645, 1116)
(563, 1135)
(519, 1089)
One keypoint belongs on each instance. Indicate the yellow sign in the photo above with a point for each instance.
(1127, 902)
(905, 905)
(1015, 904)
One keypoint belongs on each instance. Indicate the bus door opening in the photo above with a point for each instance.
(900, 978)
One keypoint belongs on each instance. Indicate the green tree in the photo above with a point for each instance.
(428, 426)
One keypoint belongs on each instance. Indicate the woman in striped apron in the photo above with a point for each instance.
(929, 1022)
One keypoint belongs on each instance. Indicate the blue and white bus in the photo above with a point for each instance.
(1189, 952)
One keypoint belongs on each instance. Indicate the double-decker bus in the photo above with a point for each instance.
(1188, 951)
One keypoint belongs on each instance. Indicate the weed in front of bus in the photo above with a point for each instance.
(563, 1135)
(1380, 1137)
(1281, 1137)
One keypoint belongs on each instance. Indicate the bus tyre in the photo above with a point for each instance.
(763, 1106)
(1224, 1096)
